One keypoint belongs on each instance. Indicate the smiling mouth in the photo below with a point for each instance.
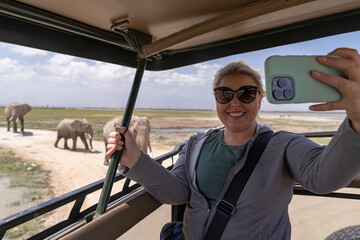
(236, 114)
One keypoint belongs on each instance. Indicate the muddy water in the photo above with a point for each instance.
(11, 199)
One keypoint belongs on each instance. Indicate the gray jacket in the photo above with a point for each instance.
(262, 209)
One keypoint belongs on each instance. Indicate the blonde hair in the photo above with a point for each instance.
(239, 67)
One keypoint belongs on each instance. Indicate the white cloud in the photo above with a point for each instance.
(110, 72)
(203, 75)
(69, 70)
(12, 71)
(60, 60)
(63, 69)
(21, 76)
(8, 65)
(26, 51)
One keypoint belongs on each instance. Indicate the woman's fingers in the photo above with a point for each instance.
(339, 105)
(348, 61)
(122, 130)
(345, 52)
(116, 139)
(114, 143)
(111, 149)
(334, 62)
(338, 82)
(113, 134)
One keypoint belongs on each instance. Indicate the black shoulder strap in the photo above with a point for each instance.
(226, 206)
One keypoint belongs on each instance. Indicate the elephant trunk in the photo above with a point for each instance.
(90, 141)
(143, 139)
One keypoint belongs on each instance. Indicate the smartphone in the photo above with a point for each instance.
(288, 80)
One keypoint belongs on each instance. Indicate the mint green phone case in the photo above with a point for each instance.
(305, 88)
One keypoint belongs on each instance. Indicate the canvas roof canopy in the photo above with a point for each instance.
(170, 34)
(159, 35)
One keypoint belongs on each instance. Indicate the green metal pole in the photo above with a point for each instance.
(110, 176)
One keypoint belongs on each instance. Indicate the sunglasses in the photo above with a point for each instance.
(245, 94)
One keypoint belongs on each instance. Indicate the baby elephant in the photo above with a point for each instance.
(73, 128)
(15, 112)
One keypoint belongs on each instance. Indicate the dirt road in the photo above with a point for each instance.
(68, 170)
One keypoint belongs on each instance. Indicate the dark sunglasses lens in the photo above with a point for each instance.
(224, 95)
(247, 95)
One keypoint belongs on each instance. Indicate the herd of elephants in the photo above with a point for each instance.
(73, 128)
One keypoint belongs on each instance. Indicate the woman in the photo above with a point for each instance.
(209, 160)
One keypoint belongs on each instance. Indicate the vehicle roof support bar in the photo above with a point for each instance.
(109, 180)
(38, 16)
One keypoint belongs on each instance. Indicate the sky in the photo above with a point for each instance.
(41, 78)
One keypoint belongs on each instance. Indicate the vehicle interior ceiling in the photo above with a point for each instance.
(180, 32)
(170, 34)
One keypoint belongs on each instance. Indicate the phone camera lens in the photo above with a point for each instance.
(282, 82)
(288, 94)
(277, 94)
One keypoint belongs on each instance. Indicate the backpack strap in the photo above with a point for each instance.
(226, 206)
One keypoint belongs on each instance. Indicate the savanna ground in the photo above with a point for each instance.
(47, 172)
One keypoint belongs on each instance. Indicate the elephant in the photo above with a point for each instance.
(15, 111)
(73, 128)
(139, 128)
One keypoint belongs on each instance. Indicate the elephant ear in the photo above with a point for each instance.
(26, 108)
(76, 125)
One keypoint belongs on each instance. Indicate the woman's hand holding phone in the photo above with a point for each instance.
(349, 87)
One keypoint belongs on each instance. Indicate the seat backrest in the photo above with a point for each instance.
(117, 221)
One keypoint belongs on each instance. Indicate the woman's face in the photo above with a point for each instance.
(236, 115)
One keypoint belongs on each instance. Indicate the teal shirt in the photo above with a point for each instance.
(215, 161)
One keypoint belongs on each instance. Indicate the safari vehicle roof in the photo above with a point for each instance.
(164, 34)
(170, 34)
